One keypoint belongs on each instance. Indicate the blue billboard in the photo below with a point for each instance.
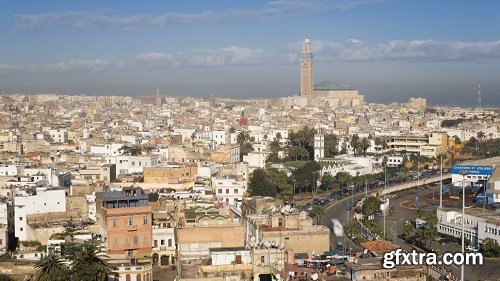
(472, 170)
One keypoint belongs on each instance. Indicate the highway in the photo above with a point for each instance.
(395, 221)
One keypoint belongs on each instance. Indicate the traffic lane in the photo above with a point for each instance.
(337, 210)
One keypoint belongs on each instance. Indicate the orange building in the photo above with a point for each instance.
(125, 221)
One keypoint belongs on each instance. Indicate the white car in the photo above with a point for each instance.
(471, 249)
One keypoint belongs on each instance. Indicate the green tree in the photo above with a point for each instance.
(355, 143)
(51, 268)
(318, 212)
(88, 264)
(245, 148)
(297, 153)
(371, 206)
(490, 248)
(331, 144)
(242, 138)
(352, 229)
(408, 230)
(275, 146)
(329, 183)
(270, 182)
(133, 150)
(420, 212)
(457, 139)
(306, 175)
(232, 130)
(364, 145)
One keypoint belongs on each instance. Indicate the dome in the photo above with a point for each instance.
(306, 41)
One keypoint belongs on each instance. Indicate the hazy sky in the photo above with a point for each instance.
(389, 50)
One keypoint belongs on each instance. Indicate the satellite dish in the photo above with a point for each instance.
(365, 251)
(282, 246)
(314, 276)
(267, 244)
(252, 238)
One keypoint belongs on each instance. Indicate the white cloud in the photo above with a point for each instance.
(273, 10)
(324, 51)
(208, 57)
(416, 50)
(71, 65)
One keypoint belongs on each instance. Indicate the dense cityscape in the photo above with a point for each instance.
(162, 187)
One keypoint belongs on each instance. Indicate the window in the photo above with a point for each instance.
(227, 190)
(115, 223)
(136, 240)
(219, 190)
(235, 191)
(146, 239)
(20, 218)
(126, 240)
(170, 242)
(130, 221)
(115, 241)
(21, 229)
(145, 220)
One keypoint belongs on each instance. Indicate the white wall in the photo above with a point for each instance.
(49, 201)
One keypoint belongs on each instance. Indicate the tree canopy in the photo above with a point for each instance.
(269, 182)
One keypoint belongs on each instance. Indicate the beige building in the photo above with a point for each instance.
(200, 229)
(164, 174)
(267, 219)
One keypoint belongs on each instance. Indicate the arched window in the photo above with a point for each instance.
(127, 277)
(139, 277)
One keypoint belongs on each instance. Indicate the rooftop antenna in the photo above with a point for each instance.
(479, 94)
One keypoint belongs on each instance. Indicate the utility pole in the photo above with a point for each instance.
(462, 268)
(441, 185)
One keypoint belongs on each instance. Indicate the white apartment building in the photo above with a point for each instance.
(478, 225)
(128, 164)
(229, 190)
(59, 135)
(45, 202)
(112, 149)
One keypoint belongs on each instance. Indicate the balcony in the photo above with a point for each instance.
(132, 227)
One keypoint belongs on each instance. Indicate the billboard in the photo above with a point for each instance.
(472, 170)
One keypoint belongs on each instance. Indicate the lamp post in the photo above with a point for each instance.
(441, 185)
(293, 195)
(462, 268)
(385, 195)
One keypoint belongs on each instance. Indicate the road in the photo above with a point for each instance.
(396, 220)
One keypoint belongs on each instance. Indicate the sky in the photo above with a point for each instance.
(389, 50)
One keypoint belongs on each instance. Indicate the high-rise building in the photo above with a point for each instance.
(306, 73)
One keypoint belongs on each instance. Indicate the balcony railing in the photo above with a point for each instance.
(132, 227)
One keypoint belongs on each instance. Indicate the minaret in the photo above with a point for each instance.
(158, 98)
(306, 74)
(319, 146)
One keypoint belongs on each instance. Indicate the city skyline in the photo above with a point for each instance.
(389, 50)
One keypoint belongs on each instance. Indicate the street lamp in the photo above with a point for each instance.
(462, 268)
(293, 195)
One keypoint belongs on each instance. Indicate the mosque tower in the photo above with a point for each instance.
(306, 73)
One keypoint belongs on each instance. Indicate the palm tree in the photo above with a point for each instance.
(408, 230)
(242, 137)
(318, 212)
(51, 268)
(88, 264)
(355, 143)
(481, 135)
(275, 146)
(364, 145)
